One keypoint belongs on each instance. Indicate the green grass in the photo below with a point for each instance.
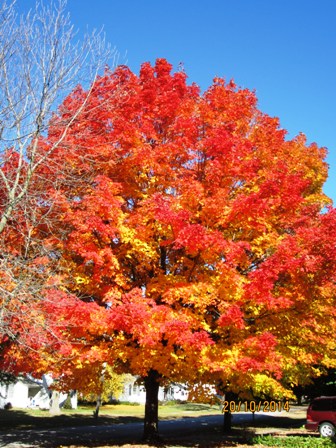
(294, 442)
(109, 414)
(165, 410)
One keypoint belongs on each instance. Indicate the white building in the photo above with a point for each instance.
(135, 392)
(28, 392)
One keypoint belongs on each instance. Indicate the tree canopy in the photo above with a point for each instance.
(194, 238)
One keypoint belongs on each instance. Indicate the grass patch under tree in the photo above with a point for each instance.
(294, 442)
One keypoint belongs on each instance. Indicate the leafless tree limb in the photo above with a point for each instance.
(41, 61)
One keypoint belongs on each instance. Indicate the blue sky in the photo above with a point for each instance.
(285, 50)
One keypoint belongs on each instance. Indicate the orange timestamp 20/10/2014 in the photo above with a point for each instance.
(255, 406)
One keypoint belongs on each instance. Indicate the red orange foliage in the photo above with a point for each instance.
(197, 234)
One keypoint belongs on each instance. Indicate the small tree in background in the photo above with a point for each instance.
(96, 382)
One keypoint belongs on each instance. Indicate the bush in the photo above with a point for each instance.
(172, 402)
(67, 404)
(294, 442)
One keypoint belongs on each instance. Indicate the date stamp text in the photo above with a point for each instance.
(255, 406)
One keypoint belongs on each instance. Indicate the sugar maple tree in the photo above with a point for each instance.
(201, 232)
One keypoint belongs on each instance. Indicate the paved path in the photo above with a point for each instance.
(130, 432)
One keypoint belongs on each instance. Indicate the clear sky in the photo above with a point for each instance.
(285, 50)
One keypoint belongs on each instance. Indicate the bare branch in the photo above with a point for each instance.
(41, 61)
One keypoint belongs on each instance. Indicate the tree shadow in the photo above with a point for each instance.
(18, 426)
(19, 419)
(277, 421)
(64, 430)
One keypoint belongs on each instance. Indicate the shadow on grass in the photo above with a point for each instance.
(19, 419)
(20, 427)
(84, 431)
(276, 421)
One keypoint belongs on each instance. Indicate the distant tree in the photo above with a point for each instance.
(7, 378)
(95, 381)
(202, 233)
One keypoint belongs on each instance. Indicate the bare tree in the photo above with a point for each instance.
(42, 60)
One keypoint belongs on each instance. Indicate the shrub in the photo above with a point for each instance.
(129, 403)
(67, 404)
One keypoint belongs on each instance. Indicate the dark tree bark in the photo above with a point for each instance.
(151, 430)
(298, 391)
(227, 423)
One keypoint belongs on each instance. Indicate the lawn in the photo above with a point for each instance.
(287, 433)
(109, 414)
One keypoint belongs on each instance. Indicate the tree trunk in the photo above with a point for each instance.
(54, 403)
(229, 396)
(98, 404)
(151, 431)
(227, 422)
